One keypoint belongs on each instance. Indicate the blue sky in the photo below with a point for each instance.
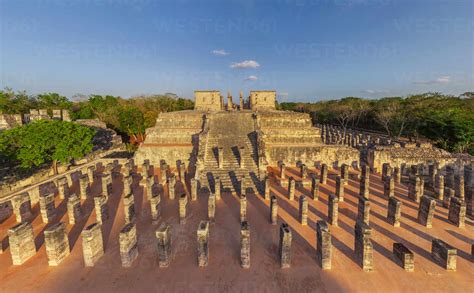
(307, 50)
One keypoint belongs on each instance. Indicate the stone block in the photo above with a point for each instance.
(128, 244)
(404, 256)
(163, 234)
(47, 208)
(101, 209)
(323, 245)
(457, 211)
(363, 246)
(74, 210)
(21, 242)
(444, 254)
(57, 243)
(92, 244)
(426, 211)
(394, 211)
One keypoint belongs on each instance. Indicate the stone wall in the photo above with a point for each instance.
(208, 101)
(8, 121)
(262, 100)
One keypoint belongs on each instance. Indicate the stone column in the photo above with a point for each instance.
(333, 207)
(145, 168)
(22, 207)
(171, 186)
(128, 244)
(459, 186)
(340, 188)
(127, 185)
(267, 188)
(457, 211)
(84, 186)
(449, 178)
(314, 187)
(444, 254)
(242, 156)
(182, 171)
(148, 188)
(365, 171)
(448, 194)
(164, 245)
(203, 243)
(245, 245)
(324, 174)
(101, 209)
(291, 188)
(397, 176)
(363, 246)
(243, 208)
(405, 256)
(345, 173)
(303, 210)
(323, 245)
(63, 188)
(285, 246)
(303, 171)
(364, 187)
(363, 210)
(243, 185)
(47, 208)
(432, 172)
(394, 211)
(218, 187)
(129, 208)
(74, 210)
(90, 173)
(92, 244)
(22, 243)
(220, 157)
(211, 207)
(282, 170)
(194, 188)
(57, 243)
(155, 207)
(439, 186)
(183, 202)
(389, 187)
(107, 185)
(274, 210)
(426, 211)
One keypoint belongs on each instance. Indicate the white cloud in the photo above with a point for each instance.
(440, 80)
(251, 78)
(220, 52)
(245, 64)
(374, 92)
(283, 94)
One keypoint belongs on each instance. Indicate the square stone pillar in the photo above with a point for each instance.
(84, 186)
(267, 188)
(101, 209)
(448, 194)
(363, 246)
(449, 177)
(364, 187)
(365, 171)
(194, 188)
(459, 185)
(245, 245)
(457, 212)
(106, 185)
(57, 243)
(155, 207)
(314, 187)
(145, 168)
(363, 210)
(333, 210)
(345, 173)
(47, 208)
(203, 243)
(291, 188)
(282, 170)
(273, 210)
(172, 186)
(324, 174)
(243, 208)
(22, 243)
(303, 211)
(127, 185)
(243, 185)
(90, 173)
(432, 172)
(323, 245)
(182, 171)
(92, 244)
(242, 156)
(183, 202)
(211, 207)
(163, 234)
(444, 254)
(74, 210)
(22, 207)
(439, 186)
(404, 256)
(303, 171)
(426, 211)
(394, 211)
(129, 208)
(340, 188)
(389, 187)
(128, 244)
(218, 187)
(63, 188)
(397, 175)
(285, 246)
(220, 157)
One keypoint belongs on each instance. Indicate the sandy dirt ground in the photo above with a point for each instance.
(224, 273)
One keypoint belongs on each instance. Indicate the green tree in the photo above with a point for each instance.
(46, 141)
(132, 122)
